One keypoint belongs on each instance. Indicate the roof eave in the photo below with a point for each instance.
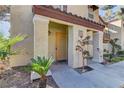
(51, 12)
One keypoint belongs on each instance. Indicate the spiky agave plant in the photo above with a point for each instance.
(41, 66)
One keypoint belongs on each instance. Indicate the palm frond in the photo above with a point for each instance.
(41, 65)
(7, 43)
(14, 40)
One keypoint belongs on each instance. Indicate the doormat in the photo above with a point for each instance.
(60, 62)
(80, 70)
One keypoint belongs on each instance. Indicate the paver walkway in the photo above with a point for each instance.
(109, 76)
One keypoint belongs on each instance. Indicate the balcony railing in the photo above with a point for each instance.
(106, 38)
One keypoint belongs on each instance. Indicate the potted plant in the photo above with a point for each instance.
(41, 67)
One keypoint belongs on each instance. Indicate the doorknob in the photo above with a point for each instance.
(56, 48)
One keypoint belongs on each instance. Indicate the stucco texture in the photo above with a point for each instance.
(22, 23)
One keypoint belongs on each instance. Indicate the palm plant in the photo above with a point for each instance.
(80, 47)
(6, 45)
(41, 66)
(115, 46)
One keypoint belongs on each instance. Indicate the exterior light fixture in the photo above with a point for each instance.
(49, 32)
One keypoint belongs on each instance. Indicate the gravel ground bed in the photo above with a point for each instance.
(19, 78)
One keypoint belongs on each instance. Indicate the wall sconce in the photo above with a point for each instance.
(49, 32)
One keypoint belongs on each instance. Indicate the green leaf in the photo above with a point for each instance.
(41, 65)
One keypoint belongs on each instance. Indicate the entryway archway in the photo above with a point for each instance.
(58, 42)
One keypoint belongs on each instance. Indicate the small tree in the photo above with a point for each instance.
(80, 47)
(114, 45)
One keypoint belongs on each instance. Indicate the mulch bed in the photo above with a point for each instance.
(19, 78)
(86, 69)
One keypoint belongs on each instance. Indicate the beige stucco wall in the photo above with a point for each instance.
(118, 34)
(98, 46)
(53, 28)
(96, 15)
(40, 36)
(75, 57)
(117, 23)
(80, 10)
(22, 23)
(90, 46)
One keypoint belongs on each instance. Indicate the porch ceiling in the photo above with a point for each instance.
(51, 12)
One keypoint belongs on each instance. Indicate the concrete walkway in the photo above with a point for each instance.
(110, 76)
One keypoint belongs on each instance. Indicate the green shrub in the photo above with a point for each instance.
(107, 57)
(117, 59)
(120, 53)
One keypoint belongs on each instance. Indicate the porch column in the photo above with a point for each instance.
(40, 39)
(74, 58)
(40, 36)
(98, 46)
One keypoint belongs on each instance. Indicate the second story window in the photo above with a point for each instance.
(91, 12)
(61, 7)
(90, 15)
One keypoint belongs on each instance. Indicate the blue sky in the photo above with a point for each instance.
(4, 28)
(102, 12)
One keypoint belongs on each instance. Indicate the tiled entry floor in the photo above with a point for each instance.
(110, 76)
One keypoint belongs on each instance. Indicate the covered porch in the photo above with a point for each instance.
(56, 34)
(59, 39)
